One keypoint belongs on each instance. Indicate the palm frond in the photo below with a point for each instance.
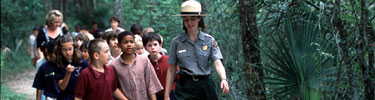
(296, 62)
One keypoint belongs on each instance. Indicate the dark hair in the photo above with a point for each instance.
(136, 27)
(111, 34)
(114, 18)
(77, 26)
(59, 56)
(94, 47)
(47, 49)
(84, 27)
(35, 29)
(51, 45)
(99, 34)
(150, 37)
(82, 37)
(123, 34)
(84, 45)
(65, 30)
(41, 27)
(93, 22)
(48, 45)
(200, 24)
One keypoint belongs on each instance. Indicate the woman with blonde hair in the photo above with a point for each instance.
(54, 20)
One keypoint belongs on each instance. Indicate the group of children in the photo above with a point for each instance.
(80, 68)
(128, 64)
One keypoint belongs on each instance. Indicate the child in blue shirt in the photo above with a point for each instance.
(69, 66)
(45, 78)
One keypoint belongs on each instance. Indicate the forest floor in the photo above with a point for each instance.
(21, 83)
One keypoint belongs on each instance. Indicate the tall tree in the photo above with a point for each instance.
(118, 12)
(249, 31)
(64, 8)
(371, 56)
(77, 6)
(90, 10)
(344, 46)
(55, 4)
(94, 4)
(367, 69)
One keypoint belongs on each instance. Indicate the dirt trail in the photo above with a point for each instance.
(22, 83)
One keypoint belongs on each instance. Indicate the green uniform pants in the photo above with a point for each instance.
(189, 89)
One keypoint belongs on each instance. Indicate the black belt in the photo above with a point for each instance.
(193, 77)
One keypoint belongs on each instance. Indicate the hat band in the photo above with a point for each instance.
(191, 13)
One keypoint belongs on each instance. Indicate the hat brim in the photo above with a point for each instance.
(191, 15)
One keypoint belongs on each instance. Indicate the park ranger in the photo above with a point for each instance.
(192, 51)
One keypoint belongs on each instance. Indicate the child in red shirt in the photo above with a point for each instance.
(152, 43)
(98, 81)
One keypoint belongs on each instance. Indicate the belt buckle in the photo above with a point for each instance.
(195, 79)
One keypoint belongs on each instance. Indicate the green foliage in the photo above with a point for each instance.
(160, 18)
(13, 62)
(296, 64)
(7, 94)
(10, 65)
(18, 19)
(10, 61)
(223, 25)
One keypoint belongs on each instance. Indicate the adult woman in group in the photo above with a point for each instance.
(191, 51)
(54, 20)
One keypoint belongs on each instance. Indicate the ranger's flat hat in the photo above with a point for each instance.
(191, 8)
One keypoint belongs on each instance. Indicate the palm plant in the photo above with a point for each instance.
(297, 62)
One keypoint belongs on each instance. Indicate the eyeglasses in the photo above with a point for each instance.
(67, 50)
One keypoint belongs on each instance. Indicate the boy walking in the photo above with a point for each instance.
(136, 76)
(98, 81)
(111, 37)
(152, 43)
(32, 50)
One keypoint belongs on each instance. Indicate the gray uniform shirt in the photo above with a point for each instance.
(193, 57)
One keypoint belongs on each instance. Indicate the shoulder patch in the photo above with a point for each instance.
(214, 43)
(207, 35)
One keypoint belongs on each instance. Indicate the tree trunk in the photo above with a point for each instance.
(371, 70)
(361, 52)
(64, 10)
(117, 8)
(205, 11)
(90, 9)
(249, 32)
(94, 4)
(48, 5)
(344, 46)
(60, 3)
(55, 4)
(77, 7)
(368, 71)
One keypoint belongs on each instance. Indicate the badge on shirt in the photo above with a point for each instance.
(204, 47)
(50, 74)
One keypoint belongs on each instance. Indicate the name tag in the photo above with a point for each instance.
(181, 51)
(50, 74)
